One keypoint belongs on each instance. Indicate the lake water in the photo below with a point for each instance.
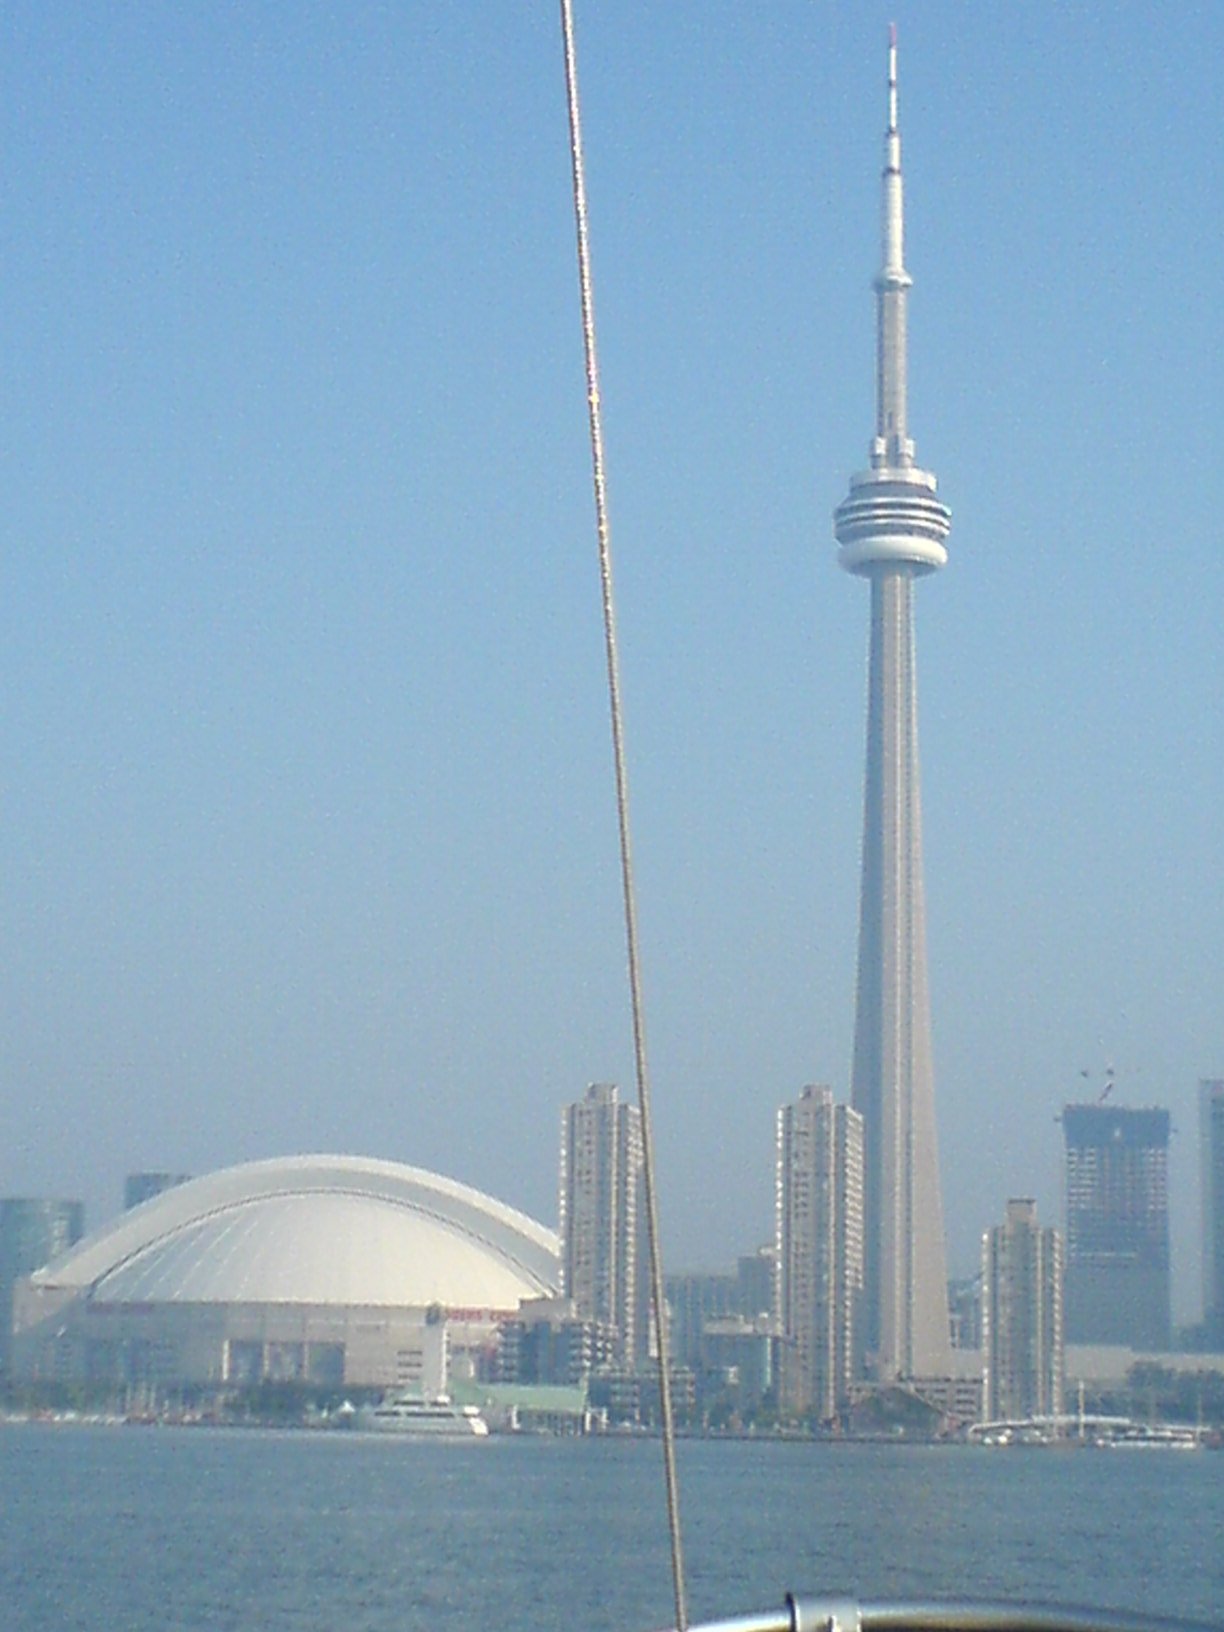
(149, 1530)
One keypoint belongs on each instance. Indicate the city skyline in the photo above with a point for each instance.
(307, 821)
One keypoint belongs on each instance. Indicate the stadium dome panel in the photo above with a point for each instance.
(328, 1247)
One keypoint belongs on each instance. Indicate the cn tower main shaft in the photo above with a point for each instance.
(891, 530)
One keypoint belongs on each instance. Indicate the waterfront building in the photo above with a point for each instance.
(736, 1368)
(891, 530)
(600, 1208)
(756, 1274)
(33, 1231)
(330, 1270)
(1117, 1197)
(819, 1233)
(1022, 1318)
(630, 1394)
(138, 1187)
(692, 1300)
(965, 1312)
(1211, 1148)
(958, 1396)
(547, 1344)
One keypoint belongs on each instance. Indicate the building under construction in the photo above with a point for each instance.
(1117, 1277)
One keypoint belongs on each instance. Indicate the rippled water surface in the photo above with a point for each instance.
(103, 1529)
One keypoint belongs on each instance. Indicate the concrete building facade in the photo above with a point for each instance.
(601, 1209)
(692, 1301)
(736, 1363)
(819, 1246)
(891, 530)
(756, 1275)
(547, 1345)
(1022, 1318)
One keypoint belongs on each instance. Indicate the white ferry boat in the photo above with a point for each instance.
(439, 1418)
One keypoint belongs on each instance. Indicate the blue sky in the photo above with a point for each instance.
(307, 808)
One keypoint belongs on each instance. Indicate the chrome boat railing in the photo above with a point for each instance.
(804, 1614)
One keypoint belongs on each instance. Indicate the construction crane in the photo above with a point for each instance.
(1110, 1076)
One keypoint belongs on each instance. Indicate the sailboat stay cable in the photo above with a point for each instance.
(622, 810)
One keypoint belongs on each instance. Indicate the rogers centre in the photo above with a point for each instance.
(326, 1269)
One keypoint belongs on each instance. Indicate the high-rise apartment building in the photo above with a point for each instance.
(1022, 1318)
(1117, 1191)
(33, 1231)
(1211, 1148)
(891, 530)
(819, 1245)
(601, 1208)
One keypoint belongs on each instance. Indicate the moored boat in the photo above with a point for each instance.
(438, 1418)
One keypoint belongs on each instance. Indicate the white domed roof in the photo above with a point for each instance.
(316, 1230)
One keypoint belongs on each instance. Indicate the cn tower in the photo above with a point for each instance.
(891, 530)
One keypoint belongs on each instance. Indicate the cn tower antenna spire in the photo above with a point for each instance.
(891, 445)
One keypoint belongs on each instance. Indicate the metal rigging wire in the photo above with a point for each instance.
(622, 810)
